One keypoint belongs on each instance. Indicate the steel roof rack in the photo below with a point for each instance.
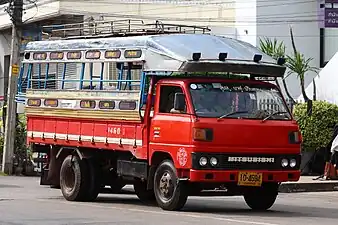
(117, 28)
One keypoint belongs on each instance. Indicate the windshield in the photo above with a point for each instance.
(238, 100)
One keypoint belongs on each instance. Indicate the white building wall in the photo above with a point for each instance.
(246, 12)
(207, 14)
(274, 21)
(45, 9)
(331, 43)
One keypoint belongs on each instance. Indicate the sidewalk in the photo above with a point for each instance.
(307, 184)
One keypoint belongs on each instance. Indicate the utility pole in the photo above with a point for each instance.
(15, 11)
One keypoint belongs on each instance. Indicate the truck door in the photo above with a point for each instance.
(170, 130)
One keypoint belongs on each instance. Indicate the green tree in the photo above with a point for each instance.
(299, 65)
(275, 49)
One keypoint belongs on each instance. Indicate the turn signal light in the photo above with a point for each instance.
(295, 137)
(202, 134)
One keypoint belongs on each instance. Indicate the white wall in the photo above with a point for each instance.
(274, 20)
(331, 43)
(45, 9)
(198, 14)
(230, 32)
(246, 13)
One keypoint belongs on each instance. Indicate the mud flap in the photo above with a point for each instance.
(44, 177)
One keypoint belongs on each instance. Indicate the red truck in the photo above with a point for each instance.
(174, 114)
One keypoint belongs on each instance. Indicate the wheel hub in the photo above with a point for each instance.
(166, 185)
(70, 179)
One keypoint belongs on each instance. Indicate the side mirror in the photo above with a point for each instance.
(309, 108)
(179, 102)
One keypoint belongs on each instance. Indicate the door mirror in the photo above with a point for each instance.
(179, 102)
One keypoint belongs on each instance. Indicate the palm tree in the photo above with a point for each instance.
(299, 65)
(276, 50)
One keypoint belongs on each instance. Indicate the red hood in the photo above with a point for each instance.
(240, 135)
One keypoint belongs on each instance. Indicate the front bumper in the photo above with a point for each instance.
(217, 176)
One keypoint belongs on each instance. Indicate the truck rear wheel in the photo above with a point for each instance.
(263, 198)
(74, 178)
(170, 194)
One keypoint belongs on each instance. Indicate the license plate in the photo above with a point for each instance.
(250, 179)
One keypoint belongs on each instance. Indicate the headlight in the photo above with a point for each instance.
(293, 163)
(213, 161)
(203, 161)
(285, 163)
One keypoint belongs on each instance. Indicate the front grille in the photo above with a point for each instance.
(244, 161)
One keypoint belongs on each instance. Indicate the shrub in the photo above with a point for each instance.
(316, 129)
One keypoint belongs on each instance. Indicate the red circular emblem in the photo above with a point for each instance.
(182, 156)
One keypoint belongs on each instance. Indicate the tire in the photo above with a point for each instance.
(146, 196)
(262, 199)
(74, 178)
(94, 181)
(176, 195)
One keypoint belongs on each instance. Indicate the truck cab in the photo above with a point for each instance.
(225, 125)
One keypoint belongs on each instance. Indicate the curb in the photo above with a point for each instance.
(308, 187)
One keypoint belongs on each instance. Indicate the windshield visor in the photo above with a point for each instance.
(238, 100)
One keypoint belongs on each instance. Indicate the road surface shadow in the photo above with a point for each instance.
(124, 200)
(229, 207)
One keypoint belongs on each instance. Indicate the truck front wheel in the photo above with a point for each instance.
(170, 194)
(73, 178)
(262, 198)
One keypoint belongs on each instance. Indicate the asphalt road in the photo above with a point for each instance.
(23, 201)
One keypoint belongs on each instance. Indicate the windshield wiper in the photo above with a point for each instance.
(232, 113)
(273, 114)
